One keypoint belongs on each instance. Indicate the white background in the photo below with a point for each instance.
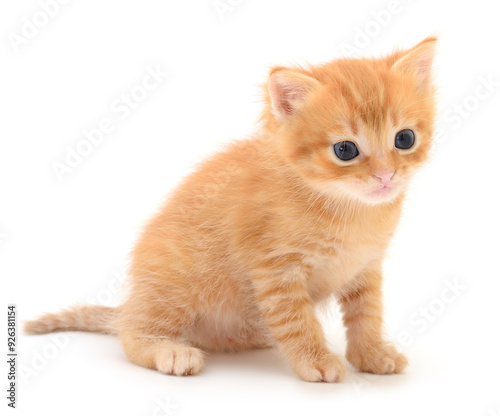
(66, 241)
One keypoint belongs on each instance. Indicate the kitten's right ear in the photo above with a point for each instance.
(417, 62)
(288, 91)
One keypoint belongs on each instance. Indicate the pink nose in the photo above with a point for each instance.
(384, 176)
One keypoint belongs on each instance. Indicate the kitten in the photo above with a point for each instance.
(247, 245)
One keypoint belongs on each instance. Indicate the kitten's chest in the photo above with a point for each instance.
(330, 274)
(335, 264)
(337, 249)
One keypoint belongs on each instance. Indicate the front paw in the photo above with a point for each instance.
(327, 368)
(383, 359)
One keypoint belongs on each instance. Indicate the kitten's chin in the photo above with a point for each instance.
(383, 195)
(377, 196)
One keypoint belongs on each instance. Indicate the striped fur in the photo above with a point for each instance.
(243, 250)
(90, 318)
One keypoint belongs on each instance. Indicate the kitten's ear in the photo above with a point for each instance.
(417, 62)
(288, 91)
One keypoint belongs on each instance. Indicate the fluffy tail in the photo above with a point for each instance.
(90, 318)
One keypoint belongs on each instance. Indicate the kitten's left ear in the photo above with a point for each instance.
(417, 62)
(289, 91)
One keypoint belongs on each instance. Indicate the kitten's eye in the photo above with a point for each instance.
(405, 139)
(345, 150)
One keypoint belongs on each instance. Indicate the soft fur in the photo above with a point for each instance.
(246, 246)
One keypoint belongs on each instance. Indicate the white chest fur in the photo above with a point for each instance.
(330, 274)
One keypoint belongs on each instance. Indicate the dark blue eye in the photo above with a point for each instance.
(405, 139)
(345, 150)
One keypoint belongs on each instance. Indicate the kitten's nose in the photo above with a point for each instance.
(384, 176)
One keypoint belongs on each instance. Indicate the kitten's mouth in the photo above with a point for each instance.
(382, 191)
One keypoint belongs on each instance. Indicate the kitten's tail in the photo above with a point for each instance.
(90, 318)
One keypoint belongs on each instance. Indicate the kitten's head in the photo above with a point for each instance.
(355, 128)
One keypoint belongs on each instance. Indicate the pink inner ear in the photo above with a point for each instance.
(287, 107)
(291, 96)
(288, 91)
(418, 63)
(424, 68)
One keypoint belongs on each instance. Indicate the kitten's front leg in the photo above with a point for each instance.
(366, 348)
(289, 314)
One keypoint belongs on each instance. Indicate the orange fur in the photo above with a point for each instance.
(242, 251)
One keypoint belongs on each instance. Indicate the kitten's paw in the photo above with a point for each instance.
(179, 361)
(328, 368)
(381, 360)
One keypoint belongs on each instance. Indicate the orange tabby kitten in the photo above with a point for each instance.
(247, 245)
